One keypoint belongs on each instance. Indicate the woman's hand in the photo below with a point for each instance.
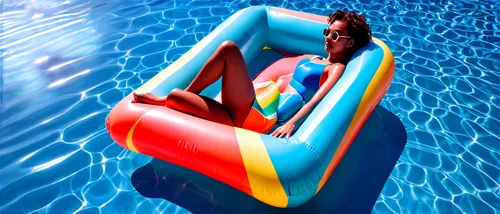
(283, 130)
(334, 73)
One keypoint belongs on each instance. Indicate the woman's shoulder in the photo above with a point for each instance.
(336, 67)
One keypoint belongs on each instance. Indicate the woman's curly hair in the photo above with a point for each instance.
(357, 27)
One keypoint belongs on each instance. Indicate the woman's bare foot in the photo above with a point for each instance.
(150, 98)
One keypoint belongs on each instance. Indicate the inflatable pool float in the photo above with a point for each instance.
(282, 172)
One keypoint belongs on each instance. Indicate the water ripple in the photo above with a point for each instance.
(65, 64)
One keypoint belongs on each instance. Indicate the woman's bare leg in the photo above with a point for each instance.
(237, 89)
(150, 98)
(200, 106)
(238, 92)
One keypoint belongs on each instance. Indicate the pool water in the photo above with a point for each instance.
(65, 64)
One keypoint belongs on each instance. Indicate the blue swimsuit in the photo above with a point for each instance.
(305, 81)
(271, 107)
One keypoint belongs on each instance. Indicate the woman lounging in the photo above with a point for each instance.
(241, 105)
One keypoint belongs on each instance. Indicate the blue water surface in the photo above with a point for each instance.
(65, 64)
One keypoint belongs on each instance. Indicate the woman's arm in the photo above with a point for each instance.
(334, 74)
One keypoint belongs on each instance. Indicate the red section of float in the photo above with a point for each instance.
(123, 116)
(207, 147)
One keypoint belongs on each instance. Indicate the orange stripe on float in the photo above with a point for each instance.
(257, 122)
(193, 143)
(374, 92)
(130, 143)
(263, 178)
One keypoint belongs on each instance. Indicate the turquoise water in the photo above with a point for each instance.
(65, 64)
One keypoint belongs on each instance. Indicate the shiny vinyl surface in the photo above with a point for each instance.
(65, 64)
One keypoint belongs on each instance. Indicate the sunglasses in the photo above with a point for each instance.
(335, 34)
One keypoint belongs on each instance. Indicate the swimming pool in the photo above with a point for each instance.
(66, 63)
